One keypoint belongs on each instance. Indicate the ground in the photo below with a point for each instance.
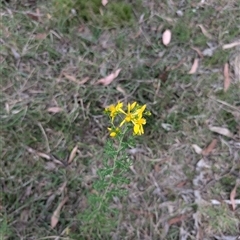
(185, 168)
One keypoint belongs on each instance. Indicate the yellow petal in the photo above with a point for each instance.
(113, 134)
(122, 123)
(119, 106)
(129, 107)
(136, 129)
(133, 105)
(143, 121)
(141, 110)
(120, 110)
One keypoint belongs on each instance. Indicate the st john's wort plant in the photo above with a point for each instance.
(126, 122)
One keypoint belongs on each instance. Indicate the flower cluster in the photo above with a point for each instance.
(133, 116)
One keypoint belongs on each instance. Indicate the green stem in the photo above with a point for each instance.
(112, 174)
(114, 166)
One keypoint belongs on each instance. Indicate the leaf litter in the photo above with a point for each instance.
(40, 36)
(227, 80)
(74, 79)
(54, 109)
(231, 45)
(197, 149)
(36, 16)
(56, 213)
(107, 80)
(205, 32)
(210, 147)
(72, 154)
(235, 64)
(222, 131)
(104, 2)
(194, 66)
(198, 51)
(233, 195)
(166, 38)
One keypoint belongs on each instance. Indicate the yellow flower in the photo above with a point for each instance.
(133, 115)
(114, 110)
(139, 122)
(141, 110)
(138, 125)
(129, 115)
(113, 131)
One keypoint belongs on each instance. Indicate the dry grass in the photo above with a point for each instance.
(46, 64)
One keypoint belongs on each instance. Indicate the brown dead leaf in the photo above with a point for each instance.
(232, 197)
(104, 2)
(62, 188)
(198, 51)
(204, 31)
(84, 80)
(56, 213)
(166, 37)
(181, 184)
(168, 19)
(209, 148)
(231, 45)
(194, 66)
(222, 131)
(73, 154)
(43, 155)
(227, 80)
(197, 149)
(40, 36)
(54, 109)
(36, 16)
(73, 78)
(121, 90)
(70, 77)
(107, 80)
(7, 108)
(177, 219)
(33, 16)
(235, 62)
